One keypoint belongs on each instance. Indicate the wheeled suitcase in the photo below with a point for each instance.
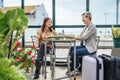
(92, 68)
(111, 67)
(117, 68)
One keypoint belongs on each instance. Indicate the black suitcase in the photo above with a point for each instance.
(117, 68)
(111, 67)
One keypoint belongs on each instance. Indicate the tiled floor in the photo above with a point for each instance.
(59, 74)
(60, 70)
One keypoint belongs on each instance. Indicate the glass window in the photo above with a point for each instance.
(69, 31)
(103, 11)
(39, 10)
(1, 4)
(28, 34)
(12, 3)
(68, 12)
(48, 6)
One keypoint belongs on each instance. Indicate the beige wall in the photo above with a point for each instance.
(27, 8)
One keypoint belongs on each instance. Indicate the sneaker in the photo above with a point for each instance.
(76, 73)
(72, 72)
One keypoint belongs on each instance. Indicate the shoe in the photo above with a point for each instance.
(76, 73)
(67, 72)
(36, 77)
(37, 73)
(72, 72)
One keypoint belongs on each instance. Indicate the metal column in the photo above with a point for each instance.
(117, 11)
(23, 38)
(87, 5)
(53, 13)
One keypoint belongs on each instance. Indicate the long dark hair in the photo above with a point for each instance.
(43, 26)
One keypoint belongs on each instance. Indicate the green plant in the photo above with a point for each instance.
(23, 57)
(12, 21)
(115, 32)
(9, 71)
(116, 37)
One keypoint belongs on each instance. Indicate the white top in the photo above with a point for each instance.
(84, 33)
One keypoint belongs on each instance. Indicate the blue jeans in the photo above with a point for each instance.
(80, 51)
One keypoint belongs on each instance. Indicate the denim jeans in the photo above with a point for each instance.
(80, 51)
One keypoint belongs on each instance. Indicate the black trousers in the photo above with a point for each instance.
(39, 60)
(41, 53)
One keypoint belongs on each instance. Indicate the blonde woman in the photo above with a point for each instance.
(88, 42)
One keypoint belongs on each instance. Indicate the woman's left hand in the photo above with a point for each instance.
(49, 45)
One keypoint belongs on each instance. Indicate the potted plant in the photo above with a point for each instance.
(13, 21)
(116, 36)
(23, 57)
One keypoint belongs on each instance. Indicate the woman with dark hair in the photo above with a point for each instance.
(42, 35)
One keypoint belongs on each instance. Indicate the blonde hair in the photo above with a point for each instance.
(87, 15)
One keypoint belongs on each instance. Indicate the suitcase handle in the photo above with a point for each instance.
(119, 66)
(106, 55)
